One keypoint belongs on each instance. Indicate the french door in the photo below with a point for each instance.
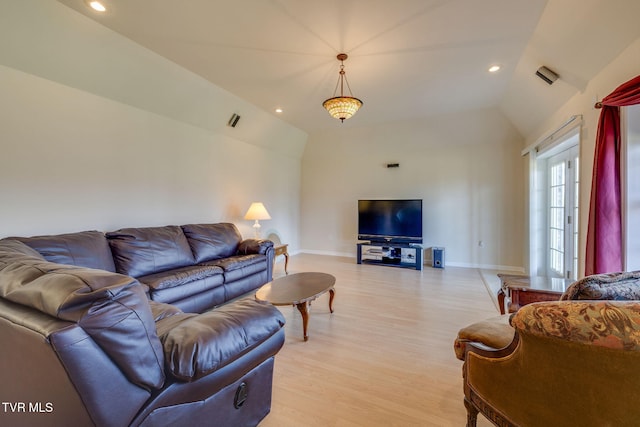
(563, 172)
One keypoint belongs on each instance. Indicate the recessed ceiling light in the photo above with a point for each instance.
(97, 6)
(279, 110)
(494, 68)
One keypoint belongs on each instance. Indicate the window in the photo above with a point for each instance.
(554, 203)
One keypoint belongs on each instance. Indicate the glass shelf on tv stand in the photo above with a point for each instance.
(405, 255)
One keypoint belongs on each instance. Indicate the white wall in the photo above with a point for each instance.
(466, 167)
(623, 68)
(472, 180)
(97, 132)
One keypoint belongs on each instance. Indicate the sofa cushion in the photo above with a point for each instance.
(84, 249)
(142, 251)
(14, 248)
(237, 267)
(182, 276)
(195, 297)
(201, 344)
(212, 241)
(197, 284)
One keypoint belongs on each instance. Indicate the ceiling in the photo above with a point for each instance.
(407, 58)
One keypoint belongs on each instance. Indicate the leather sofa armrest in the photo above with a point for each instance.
(254, 246)
(196, 345)
(611, 324)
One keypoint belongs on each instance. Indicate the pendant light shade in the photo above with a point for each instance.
(342, 107)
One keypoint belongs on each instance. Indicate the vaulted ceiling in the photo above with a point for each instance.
(407, 58)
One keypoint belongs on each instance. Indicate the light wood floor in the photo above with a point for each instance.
(385, 356)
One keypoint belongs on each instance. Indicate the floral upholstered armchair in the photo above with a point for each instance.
(574, 362)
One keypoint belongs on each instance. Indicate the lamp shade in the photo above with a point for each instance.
(342, 107)
(257, 211)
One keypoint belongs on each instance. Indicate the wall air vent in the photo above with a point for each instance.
(233, 121)
(547, 75)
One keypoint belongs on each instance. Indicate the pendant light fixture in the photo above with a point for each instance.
(342, 107)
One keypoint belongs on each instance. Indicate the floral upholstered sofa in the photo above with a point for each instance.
(574, 362)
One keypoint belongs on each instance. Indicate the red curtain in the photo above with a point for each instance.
(604, 233)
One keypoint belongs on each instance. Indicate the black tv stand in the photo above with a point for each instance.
(406, 255)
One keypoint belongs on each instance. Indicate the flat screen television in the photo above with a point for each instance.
(390, 221)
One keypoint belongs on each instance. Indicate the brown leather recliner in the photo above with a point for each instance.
(86, 347)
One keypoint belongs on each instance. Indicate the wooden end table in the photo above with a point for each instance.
(298, 289)
(282, 250)
(518, 290)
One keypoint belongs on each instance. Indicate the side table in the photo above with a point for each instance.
(282, 250)
(517, 290)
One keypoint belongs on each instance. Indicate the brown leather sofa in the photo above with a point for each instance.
(573, 362)
(195, 267)
(85, 346)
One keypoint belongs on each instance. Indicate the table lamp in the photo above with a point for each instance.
(257, 211)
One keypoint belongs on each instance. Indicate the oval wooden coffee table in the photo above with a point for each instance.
(298, 289)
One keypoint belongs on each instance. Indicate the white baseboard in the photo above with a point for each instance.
(427, 262)
(510, 268)
(328, 253)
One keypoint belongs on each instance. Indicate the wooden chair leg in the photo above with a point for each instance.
(472, 414)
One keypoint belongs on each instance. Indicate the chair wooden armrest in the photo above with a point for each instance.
(490, 334)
